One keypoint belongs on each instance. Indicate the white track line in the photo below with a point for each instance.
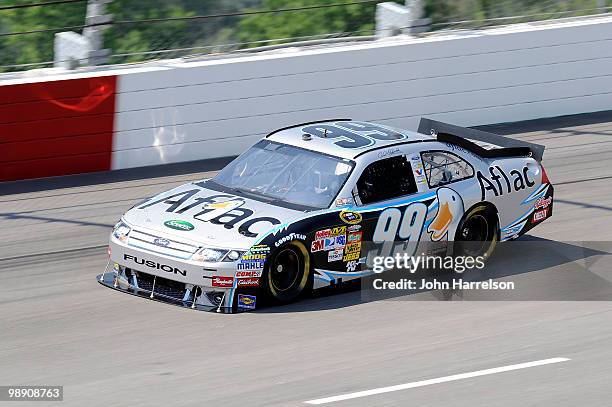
(428, 382)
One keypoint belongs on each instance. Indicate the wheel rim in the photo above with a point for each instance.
(285, 269)
(477, 231)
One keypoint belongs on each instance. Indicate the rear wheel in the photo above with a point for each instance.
(288, 273)
(478, 233)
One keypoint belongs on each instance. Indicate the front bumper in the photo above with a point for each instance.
(163, 290)
(159, 277)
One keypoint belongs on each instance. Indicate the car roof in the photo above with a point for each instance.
(340, 130)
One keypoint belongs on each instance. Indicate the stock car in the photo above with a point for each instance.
(296, 211)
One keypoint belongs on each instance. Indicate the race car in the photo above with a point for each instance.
(305, 206)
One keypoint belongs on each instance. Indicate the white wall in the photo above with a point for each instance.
(191, 111)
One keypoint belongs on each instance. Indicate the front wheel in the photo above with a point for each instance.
(478, 233)
(288, 273)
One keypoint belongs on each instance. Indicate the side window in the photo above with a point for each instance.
(386, 179)
(442, 167)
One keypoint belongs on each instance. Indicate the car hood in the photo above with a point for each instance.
(207, 217)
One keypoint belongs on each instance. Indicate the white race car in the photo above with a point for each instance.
(297, 210)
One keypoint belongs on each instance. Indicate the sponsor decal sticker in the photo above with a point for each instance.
(246, 301)
(352, 265)
(316, 245)
(352, 248)
(353, 254)
(250, 265)
(179, 225)
(248, 273)
(353, 237)
(328, 243)
(253, 256)
(353, 228)
(260, 248)
(321, 234)
(288, 238)
(542, 203)
(342, 201)
(222, 282)
(540, 215)
(334, 255)
(248, 282)
(350, 217)
(254, 259)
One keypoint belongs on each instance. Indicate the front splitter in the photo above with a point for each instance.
(109, 280)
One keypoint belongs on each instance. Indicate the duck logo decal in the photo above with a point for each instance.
(450, 211)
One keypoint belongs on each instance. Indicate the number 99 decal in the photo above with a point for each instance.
(404, 228)
(353, 134)
(391, 223)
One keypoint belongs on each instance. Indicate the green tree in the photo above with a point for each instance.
(30, 48)
(358, 18)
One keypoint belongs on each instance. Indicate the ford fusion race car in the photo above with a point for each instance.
(294, 212)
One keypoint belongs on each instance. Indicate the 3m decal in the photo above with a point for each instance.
(499, 182)
(350, 217)
(328, 243)
(246, 301)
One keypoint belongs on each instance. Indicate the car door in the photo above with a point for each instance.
(394, 202)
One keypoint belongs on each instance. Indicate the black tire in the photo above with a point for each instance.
(288, 273)
(478, 233)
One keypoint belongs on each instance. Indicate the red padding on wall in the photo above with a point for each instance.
(56, 128)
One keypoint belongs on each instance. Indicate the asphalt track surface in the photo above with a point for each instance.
(59, 326)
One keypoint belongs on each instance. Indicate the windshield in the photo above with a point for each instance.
(286, 173)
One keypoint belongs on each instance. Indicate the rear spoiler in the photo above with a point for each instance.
(498, 146)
